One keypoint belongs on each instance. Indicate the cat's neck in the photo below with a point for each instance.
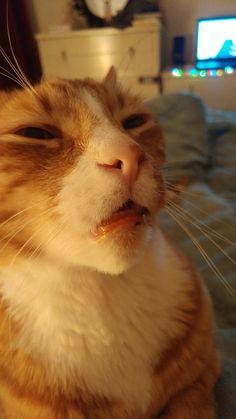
(46, 274)
(45, 293)
(85, 321)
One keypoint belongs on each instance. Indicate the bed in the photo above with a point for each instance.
(201, 150)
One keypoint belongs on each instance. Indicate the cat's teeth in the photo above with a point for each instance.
(145, 219)
(127, 217)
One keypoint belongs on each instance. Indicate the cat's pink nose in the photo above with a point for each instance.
(125, 159)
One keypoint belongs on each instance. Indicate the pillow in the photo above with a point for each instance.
(182, 118)
(221, 171)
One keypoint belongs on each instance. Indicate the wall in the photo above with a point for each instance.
(179, 18)
(45, 14)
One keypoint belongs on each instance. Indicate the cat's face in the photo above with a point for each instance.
(81, 164)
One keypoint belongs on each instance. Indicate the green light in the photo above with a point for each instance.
(229, 70)
(177, 72)
(202, 73)
(193, 72)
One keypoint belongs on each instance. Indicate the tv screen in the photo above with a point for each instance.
(216, 38)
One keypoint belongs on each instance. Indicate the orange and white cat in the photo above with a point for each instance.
(101, 317)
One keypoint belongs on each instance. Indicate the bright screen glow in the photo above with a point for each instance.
(216, 39)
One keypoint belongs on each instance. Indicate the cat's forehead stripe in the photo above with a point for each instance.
(45, 102)
(93, 104)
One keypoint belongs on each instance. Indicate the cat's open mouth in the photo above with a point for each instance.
(128, 216)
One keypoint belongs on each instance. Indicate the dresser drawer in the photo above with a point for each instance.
(65, 64)
(134, 52)
(73, 58)
(99, 44)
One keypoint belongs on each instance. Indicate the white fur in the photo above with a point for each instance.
(93, 104)
(107, 330)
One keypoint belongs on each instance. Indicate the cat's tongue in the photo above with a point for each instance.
(126, 218)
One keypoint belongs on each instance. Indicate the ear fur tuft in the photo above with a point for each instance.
(110, 80)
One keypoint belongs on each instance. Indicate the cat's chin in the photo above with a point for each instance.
(113, 254)
(119, 252)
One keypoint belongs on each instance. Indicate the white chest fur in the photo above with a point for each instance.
(107, 330)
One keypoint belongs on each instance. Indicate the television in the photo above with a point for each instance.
(216, 42)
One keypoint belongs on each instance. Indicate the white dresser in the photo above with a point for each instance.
(135, 52)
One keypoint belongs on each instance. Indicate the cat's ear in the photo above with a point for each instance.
(111, 79)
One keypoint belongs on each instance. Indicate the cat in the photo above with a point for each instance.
(101, 316)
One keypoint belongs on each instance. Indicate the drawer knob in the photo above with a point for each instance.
(131, 52)
(64, 55)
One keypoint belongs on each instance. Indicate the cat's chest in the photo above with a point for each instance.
(107, 332)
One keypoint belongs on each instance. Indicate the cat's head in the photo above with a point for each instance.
(80, 162)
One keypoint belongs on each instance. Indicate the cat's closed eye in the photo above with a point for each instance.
(35, 132)
(134, 121)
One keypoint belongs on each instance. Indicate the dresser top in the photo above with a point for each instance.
(149, 25)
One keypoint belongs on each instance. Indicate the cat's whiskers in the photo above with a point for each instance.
(18, 76)
(202, 229)
(10, 346)
(37, 251)
(10, 76)
(173, 187)
(199, 224)
(206, 230)
(18, 213)
(18, 67)
(9, 312)
(194, 195)
(36, 232)
(211, 217)
(11, 236)
(16, 73)
(202, 251)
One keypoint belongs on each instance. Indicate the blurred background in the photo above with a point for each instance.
(152, 43)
